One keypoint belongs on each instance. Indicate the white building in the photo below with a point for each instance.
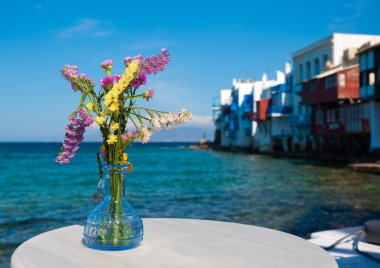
(281, 110)
(233, 118)
(262, 124)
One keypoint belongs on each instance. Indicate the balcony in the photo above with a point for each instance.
(281, 88)
(280, 110)
(331, 86)
(262, 110)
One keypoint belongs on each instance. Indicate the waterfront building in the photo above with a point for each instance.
(309, 62)
(263, 110)
(320, 104)
(280, 112)
(231, 115)
(369, 60)
(339, 119)
(234, 113)
(220, 116)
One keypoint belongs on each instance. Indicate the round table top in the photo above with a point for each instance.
(177, 243)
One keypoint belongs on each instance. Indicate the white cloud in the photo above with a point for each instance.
(201, 121)
(87, 28)
(346, 22)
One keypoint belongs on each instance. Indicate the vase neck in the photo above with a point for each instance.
(115, 179)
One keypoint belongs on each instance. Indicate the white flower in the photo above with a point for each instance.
(182, 117)
(146, 133)
(156, 124)
(168, 120)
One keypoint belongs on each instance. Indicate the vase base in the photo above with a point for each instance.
(122, 245)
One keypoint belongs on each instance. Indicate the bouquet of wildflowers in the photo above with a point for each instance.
(115, 109)
(114, 106)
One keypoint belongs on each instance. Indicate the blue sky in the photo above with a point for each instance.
(211, 42)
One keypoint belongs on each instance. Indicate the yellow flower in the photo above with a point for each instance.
(108, 99)
(106, 112)
(112, 139)
(115, 93)
(129, 74)
(114, 107)
(114, 126)
(90, 106)
(125, 157)
(102, 148)
(100, 120)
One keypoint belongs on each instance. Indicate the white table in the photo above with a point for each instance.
(177, 243)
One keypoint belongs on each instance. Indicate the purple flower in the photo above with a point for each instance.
(148, 95)
(79, 82)
(139, 80)
(127, 61)
(106, 65)
(86, 80)
(74, 135)
(130, 135)
(68, 71)
(155, 64)
(107, 82)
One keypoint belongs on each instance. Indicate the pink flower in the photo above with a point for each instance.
(117, 77)
(148, 95)
(107, 82)
(106, 65)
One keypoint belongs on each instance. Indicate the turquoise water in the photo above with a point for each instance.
(170, 180)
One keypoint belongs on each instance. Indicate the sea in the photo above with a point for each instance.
(298, 196)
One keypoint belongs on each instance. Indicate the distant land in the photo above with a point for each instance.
(177, 134)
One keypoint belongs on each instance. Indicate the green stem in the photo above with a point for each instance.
(139, 115)
(146, 109)
(134, 123)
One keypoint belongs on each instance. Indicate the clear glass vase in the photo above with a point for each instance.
(113, 224)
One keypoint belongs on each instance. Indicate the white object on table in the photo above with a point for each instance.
(344, 252)
(177, 243)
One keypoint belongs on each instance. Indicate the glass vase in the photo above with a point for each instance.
(113, 224)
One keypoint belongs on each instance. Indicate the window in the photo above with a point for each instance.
(330, 82)
(363, 79)
(342, 114)
(301, 72)
(371, 78)
(317, 68)
(363, 61)
(325, 59)
(342, 80)
(370, 59)
(328, 116)
(319, 120)
(308, 70)
(366, 110)
(313, 85)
